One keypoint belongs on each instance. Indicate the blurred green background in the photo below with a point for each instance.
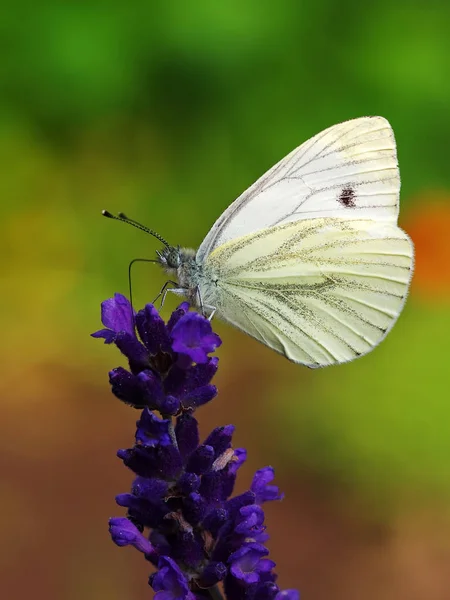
(168, 111)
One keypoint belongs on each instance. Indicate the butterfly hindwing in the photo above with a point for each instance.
(320, 291)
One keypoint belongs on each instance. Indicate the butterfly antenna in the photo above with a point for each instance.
(122, 217)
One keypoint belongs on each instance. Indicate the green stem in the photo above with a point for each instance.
(215, 593)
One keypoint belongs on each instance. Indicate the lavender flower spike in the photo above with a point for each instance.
(170, 368)
(180, 512)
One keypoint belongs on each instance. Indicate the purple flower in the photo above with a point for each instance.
(124, 533)
(261, 488)
(181, 513)
(239, 458)
(193, 335)
(247, 563)
(169, 582)
(117, 316)
(162, 373)
(250, 523)
(152, 431)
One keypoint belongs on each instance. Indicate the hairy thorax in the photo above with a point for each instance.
(195, 281)
(189, 273)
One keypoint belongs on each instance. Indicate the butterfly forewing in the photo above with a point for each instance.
(348, 171)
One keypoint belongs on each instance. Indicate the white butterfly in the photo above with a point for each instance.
(309, 260)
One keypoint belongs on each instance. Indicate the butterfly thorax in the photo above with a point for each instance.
(180, 263)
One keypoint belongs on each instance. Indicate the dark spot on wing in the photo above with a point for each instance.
(347, 197)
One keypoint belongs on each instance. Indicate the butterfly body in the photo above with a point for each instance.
(309, 260)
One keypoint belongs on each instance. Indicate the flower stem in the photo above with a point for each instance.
(215, 593)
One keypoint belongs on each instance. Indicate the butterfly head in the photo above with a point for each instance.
(170, 257)
(177, 261)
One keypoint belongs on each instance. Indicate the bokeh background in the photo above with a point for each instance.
(167, 111)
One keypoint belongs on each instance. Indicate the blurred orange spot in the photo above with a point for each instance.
(429, 227)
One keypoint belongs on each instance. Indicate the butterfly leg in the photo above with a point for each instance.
(199, 300)
(204, 306)
(177, 291)
(213, 311)
(163, 292)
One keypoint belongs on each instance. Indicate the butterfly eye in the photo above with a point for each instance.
(170, 257)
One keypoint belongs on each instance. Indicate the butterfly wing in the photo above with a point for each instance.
(321, 291)
(349, 170)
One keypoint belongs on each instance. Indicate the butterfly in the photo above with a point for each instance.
(309, 260)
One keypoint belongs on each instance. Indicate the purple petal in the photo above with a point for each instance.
(179, 312)
(194, 508)
(190, 382)
(215, 519)
(220, 439)
(235, 504)
(265, 565)
(132, 348)
(152, 330)
(108, 335)
(151, 386)
(186, 432)
(192, 335)
(196, 353)
(261, 488)
(250, 521)
(125, 533)
(239, 458)
(188, 483)
(127, 387)
(169, 406)
(188, 547)
(152, 430)
(150, 489)
(146, 512)
(213, 487)
(228, 481)
(247, 563)
(161, 461)
(200, 460)
(199, 397)
(200, 375)
(169, 582)
(117, 314)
